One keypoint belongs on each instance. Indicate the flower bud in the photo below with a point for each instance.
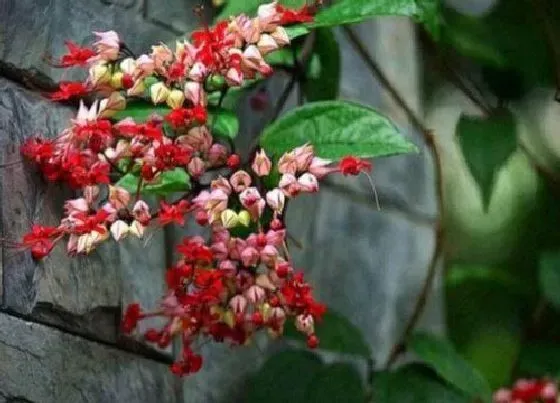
(305, 324)
(261, 164)
(194, 92)
(119, 229)
(234, 77)
(76, 206)
(175, 99)
(109, 106)
(222, 184)
(159, 92)
(304, 157)
(117, 80)
(217, 155)
(308, 183)
(289, 185)
(201, 217)
(90, 193)
(196, 167)
(229, 219)
(107, 45)
(276, 199)
(198, 71)
(281, 36)
(238, 304)
(244, 218)
(141, 212)
(145, 66)
(266, 44)
(319, 167)
(255, 294)
(128, 65)
(249, 256)
(137, 229)
(118, 197)
(249, 197)
(99, 74)
(240, 181)
(287, 164)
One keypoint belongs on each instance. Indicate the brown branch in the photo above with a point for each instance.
(429, 139)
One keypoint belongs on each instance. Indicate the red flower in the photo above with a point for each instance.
(288, 17)
(69, 89)
(169, 156)
(131, 317)
(353, 165)
(37, 149)
(176, 277)
(76, 55)
(40, 240)
(170, 213)
(193, 251)
(184, 116)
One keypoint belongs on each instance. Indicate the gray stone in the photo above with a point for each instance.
(43, 365)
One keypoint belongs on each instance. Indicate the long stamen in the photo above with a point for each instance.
(370, 179)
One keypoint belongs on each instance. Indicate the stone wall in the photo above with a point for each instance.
(59, 339)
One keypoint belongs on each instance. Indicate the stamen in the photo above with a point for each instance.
(370, 179)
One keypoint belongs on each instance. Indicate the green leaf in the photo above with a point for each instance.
(140, 111)
(431, 16)
(540, 360)
(280, 379)
(335, 333)
(442, 357)
(549, 277)
(325, 85)
(335, 383)
(336, 129)
(223, 123)
(414, 383)
(487, 143)
(166, 183)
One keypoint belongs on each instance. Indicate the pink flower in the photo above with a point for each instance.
(240, 181)
(234, 77)
(199, 138)
(217, 155)
(305, 324)
(269, 254)
(161, 55)
(276, 199)
(76, 206)
(196, 167)
(238, 304)
(249, 256)
(304, 157)
(198, 72)
(195, 93)
(319, 167)
(308, 183)
(145, 66)
(141, 212)
(107, 45)
(255, 294)
(287, 164)
(118, 197)
(281, 36)
(289, 185)
(261, 164)
(251, 199)
(266, 44)
(220, 250)
(217, 202)
(222, 184)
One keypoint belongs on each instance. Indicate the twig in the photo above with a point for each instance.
(439, 230)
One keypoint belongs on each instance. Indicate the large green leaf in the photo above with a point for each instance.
(487, 143)
(324, 86)
(335, 383)
(140, 111)
(414, 384)
(285, 377)
(335, 333)
(540, 360)
(549, 277)
(336, 129)
(166, 183)
(442, 357)
(223, 123)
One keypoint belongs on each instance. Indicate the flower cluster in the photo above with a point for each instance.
(529, 391)
(241, 278)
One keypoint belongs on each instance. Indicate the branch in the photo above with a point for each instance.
(429, 139)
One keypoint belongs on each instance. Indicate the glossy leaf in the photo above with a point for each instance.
(280, 379)
(487, 143)
(440, 355)
(335, 383)
(336, 334)
(166, 183)
(336, 129)
(549, 277)
(414, 384)
(141, 111)
(223, 123)
(324, 85)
